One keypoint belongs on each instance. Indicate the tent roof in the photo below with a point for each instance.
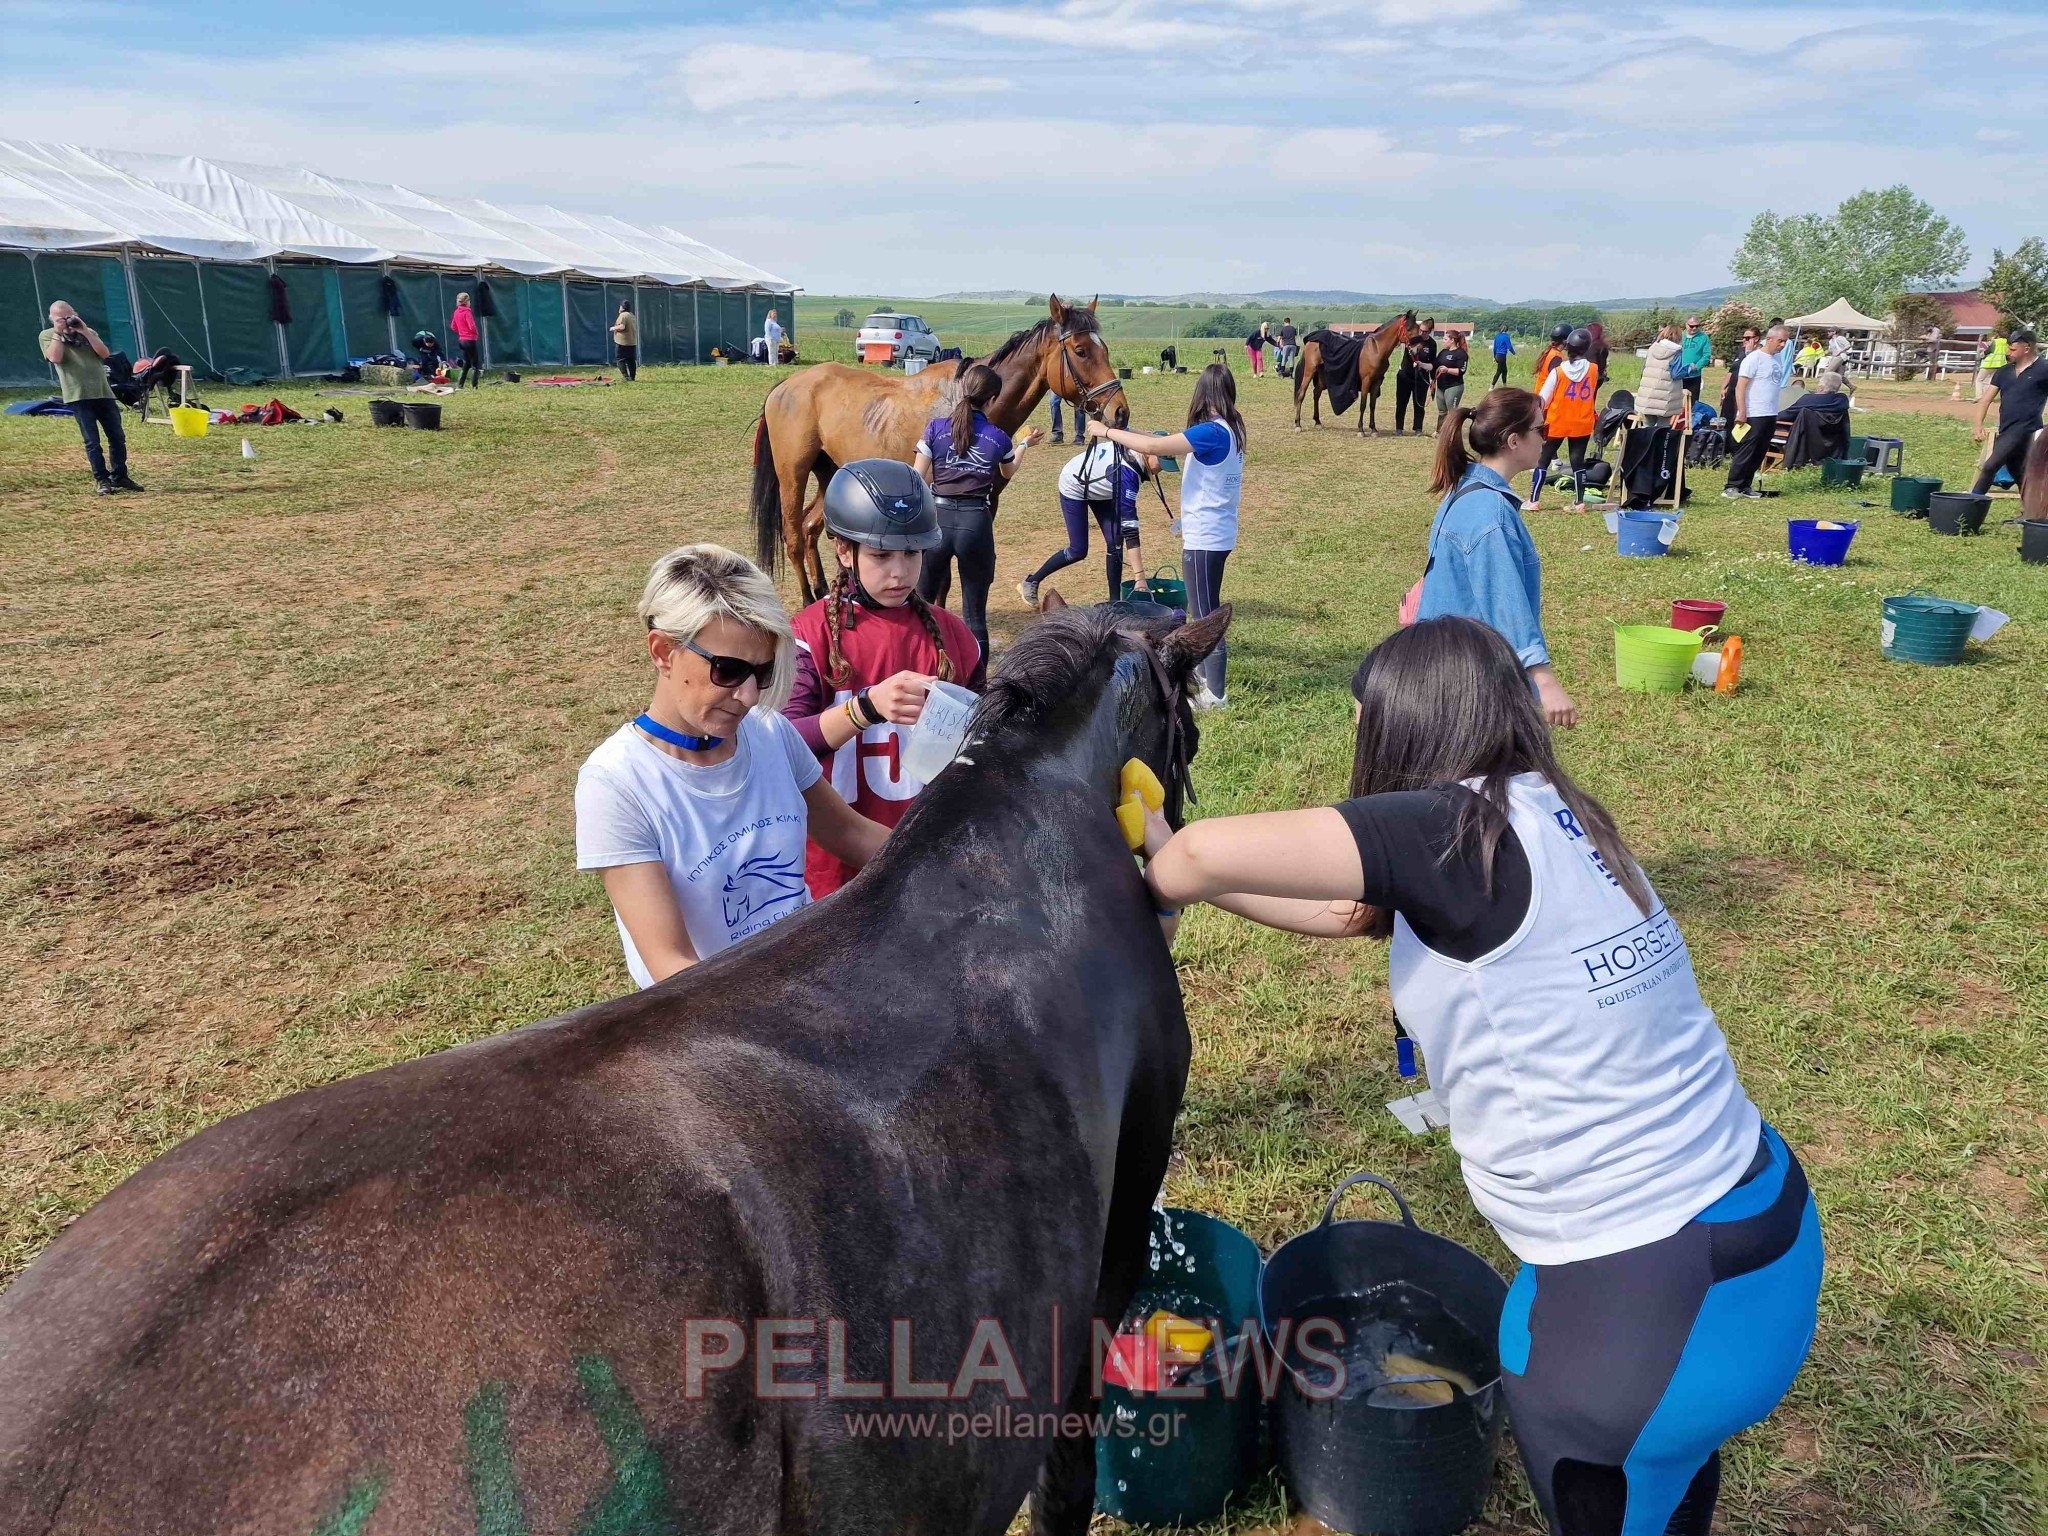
(1841, 316)
(64, 197)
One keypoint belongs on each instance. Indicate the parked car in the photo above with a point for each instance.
(892, 338)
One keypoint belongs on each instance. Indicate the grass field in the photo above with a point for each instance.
(285, 794)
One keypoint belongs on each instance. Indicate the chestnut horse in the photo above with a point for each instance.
(1372, 371)
(831, 414)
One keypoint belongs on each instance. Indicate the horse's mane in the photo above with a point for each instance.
(1080, 319)
(1048, 663)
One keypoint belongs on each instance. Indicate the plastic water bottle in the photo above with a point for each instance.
(248, 449)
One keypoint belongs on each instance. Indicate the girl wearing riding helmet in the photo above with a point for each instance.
(1482, 563)
(1671, 1250)
(868, 651)
(1569, 412)
(1553, 354)
(1101, 481)
(695, 812)
(1211, 449)
(965, 458)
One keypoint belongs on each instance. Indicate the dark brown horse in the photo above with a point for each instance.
(831, 414)
(1372, 371)
(910, 1136)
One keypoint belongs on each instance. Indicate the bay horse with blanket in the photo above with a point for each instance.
(832, 414)
(650, 1266)
(1348, 367)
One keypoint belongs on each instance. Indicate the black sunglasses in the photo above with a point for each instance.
(731, 671)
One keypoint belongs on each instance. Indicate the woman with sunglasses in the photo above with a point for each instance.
(868, 651)
(695, 813)
(1670, 1248)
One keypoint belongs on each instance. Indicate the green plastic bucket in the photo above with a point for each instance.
(1931, 631)
(1184, 1470)
(1654, 658)
(1910, 493)
(1844, 472)
(1858, 451)
(1167, 591)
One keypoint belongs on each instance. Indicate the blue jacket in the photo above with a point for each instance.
(1484, 565)
(1503, 344)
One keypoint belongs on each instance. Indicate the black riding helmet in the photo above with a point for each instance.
(882, 503)
(1558, 333)
(1579, 342)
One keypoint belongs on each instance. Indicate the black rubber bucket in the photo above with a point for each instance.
(2034, 540)
(387, 413)
(1396, 1435)
(1953, 512)
(423, 416)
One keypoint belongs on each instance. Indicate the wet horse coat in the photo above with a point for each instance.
(465, 1295)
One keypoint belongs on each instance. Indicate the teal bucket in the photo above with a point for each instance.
(1929, 631)
(1206, 1271)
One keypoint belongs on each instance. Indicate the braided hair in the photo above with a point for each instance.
(840, 607)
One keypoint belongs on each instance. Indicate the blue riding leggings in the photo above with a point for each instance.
(1203, 569)
(1624, 1374)
(1115, 533)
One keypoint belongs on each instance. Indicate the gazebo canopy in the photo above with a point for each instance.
(1839, 316)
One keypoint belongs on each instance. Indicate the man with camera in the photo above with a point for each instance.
(75, 350)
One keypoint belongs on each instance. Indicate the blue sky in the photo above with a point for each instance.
(1508, 148)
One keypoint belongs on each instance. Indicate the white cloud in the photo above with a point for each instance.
(1085, 24)
(721, 75)
(1998, 135)
(1481, 131)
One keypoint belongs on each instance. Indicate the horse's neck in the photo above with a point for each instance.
(1023, 388)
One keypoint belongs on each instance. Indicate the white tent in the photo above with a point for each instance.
(250, 269)
(1839, 316)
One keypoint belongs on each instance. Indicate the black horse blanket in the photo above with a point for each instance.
(1340, 367)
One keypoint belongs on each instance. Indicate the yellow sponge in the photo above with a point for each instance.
(1138, 779)
(1131, 817)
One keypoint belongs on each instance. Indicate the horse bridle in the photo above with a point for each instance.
(1085, 407)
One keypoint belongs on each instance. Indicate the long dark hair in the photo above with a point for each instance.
(1445, 701)
(1498, 417)
(979, 386)
(1215, 399)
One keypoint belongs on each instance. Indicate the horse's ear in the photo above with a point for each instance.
(1050, 601)
(1093, 302)
(1183, 650)
(1059, 310)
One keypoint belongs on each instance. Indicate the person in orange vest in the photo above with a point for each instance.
(1567, 392)
(1551, 355)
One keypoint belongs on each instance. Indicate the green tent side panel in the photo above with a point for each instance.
(314, 342)
(547, 333)
(589, 340)
(172, 315)
(97, 288)
(505, 330)
(733, 332)
(786, 308)
(419, 308)
(364, 325)
(238, 319)
(22, 319)
(682, 325)
(652, 306)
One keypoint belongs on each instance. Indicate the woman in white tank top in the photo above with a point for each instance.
(1593, 1103)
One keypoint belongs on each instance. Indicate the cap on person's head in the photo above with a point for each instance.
(2022, 335)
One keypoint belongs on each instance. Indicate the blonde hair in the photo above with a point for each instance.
(462, 298)
(689, 587)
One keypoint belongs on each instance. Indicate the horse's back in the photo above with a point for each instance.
(366, 1297)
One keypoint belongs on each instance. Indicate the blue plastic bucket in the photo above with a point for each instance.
(1812, 544)
(1640, 534)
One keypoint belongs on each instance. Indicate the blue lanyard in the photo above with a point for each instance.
(660, 732)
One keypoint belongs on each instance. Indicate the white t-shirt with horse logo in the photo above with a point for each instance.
(731, 836)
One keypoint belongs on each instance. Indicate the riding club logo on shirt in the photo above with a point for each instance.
(1640, 954)
(759, 885)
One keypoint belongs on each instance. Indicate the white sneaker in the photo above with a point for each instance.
(1028, 590)
(1204, 700)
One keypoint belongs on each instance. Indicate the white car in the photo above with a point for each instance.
(892, 338)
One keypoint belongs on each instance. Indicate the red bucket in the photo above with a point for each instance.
(1695, 612)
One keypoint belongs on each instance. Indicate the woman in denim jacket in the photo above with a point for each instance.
(1482, 562)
